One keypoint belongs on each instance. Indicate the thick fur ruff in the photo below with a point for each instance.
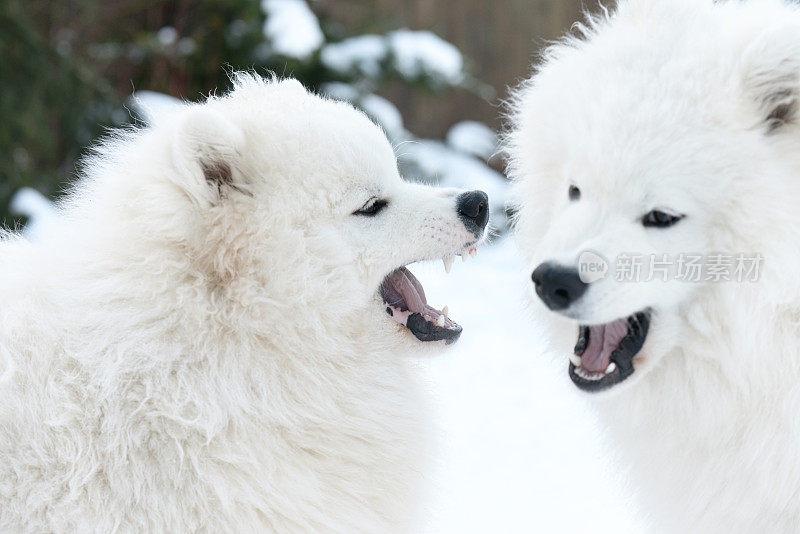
(690, 105)
(200, 346)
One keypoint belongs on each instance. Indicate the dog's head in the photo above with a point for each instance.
(290, 207)
(656, 160)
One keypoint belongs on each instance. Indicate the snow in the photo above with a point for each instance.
(380, 110)
(435, 160)
(385, 113)
(150, 105)
(520, 449)
(340, 91)
(167, 36)
(413, 53)
(422, 53)
(187, 46)
(292, 28)
(361, 55)
(473, 137)
(41, 213)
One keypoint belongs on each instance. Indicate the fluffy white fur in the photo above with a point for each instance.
(690, 105)
(200, 345)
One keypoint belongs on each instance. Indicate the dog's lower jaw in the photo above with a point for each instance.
(604, 354)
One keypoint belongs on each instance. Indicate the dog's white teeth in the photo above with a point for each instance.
(445, 311)
(471, 252)
(611, 368)
(575, 359)
(440, 321)
(448, 263)
(587, 375)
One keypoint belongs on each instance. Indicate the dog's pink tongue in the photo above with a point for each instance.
(409, 288)
(603, 340)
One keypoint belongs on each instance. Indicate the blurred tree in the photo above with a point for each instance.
(49, 108)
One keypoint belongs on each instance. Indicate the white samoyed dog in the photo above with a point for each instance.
(667, 135)
(212, 340)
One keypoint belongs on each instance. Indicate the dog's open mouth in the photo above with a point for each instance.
(407, 304)
(604, 352)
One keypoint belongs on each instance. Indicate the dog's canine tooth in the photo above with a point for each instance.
(464, 256)
(445, 310)
(440, 320)
(611, 368)
(575, 359)
(448, 263)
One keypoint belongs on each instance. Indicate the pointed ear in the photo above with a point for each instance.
(207, 152)
(771, 67)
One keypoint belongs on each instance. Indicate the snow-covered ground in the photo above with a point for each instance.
(520, 450)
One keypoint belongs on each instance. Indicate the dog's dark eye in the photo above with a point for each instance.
(660, 219)
(372, 207)
(574, 192)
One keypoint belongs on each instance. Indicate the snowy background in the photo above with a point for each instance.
(521, 450)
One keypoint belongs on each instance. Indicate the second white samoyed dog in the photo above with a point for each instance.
(670, 131)
(213, 339)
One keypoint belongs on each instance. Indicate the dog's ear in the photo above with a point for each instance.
(771, 66)
(208, 152)
(208, 158)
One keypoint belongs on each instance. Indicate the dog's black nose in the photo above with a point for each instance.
(557, 286)
(473, 210)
